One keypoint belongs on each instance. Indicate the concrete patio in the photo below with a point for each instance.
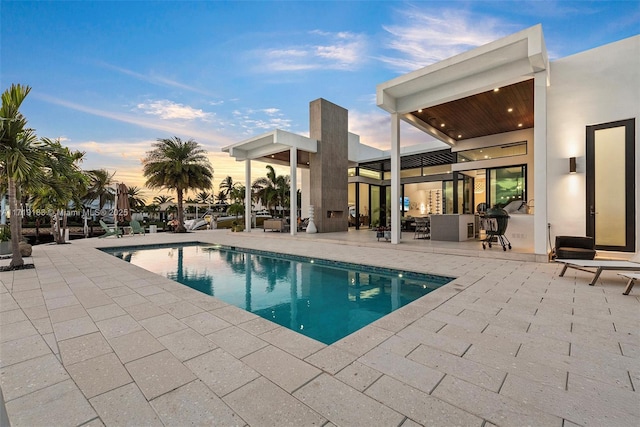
(88, 339)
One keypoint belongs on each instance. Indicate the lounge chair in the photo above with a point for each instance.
(632, 277)
(108, 231)
(600, 265)
(136, 228)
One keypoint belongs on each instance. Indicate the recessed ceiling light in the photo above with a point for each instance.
(519, 125)
(441, 125)
(420, 110)
(497, 89)
(272, 156)
(510, 110)
(459, 136)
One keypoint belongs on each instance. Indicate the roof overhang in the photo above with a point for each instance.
(512, 59)
(269, 144)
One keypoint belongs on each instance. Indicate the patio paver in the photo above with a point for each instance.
(88, 339)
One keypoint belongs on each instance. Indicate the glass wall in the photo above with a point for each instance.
(507, 185)
(375, 205)
(497, 152)
(447, 202)
(424, 198)
(351, 197)
(364, 218)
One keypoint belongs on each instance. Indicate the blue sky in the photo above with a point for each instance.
(109, 78)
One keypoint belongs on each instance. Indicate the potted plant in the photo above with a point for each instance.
(5, 240)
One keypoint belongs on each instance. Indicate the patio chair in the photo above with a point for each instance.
(575, 247)
(108, 231)
(632, 277)
(597, 266)
(136, 228)
(422, 228)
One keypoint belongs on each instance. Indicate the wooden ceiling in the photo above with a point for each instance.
(483, 114)
(282, 158)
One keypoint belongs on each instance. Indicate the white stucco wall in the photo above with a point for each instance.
(593, 87)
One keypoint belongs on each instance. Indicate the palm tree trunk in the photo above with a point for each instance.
(16, 258)
(180, 228)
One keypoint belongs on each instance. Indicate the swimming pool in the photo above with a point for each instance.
(322, 299)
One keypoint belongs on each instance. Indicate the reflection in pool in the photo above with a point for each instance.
(320, 299)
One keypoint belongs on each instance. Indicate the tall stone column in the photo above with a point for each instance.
(328, 124)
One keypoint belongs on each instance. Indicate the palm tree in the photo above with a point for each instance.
(100, 187)
(272, 190)
(161, 200)
(204, 197)
(158, 200)
(19, 157)
(179, 166)
(134, 194)
(221, 197)
(65, 181)
(227, 185)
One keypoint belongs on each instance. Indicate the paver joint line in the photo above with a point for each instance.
(558, 306)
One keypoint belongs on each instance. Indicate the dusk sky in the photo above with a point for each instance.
(109, 78)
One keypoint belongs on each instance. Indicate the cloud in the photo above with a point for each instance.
(327, 51)
(153, 78)
(253, 121)
(169, 110)
(425, 37)
(374, 129)
(170, 127)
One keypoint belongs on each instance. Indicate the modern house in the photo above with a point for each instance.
(554, 141)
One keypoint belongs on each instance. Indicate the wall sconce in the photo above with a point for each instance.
(572, 165)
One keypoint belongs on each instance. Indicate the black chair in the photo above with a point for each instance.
(575, 247)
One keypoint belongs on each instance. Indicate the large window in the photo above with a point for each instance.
(507, 185)
(497, 152)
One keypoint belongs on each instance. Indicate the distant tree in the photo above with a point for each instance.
(162, 199)
(272, 190)
(227, 185)
(204, 197)
(221, 197)
(134, 195)
(100, 187)
(180, 166)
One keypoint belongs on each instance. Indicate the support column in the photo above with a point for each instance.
(293, 191)
(305, 187)
(395, 178)
(540, 217)
(247, 196)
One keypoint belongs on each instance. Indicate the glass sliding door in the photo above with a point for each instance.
(610, 185)
(375, 206)
(363, 206)
(351, 197)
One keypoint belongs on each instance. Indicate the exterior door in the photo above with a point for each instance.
(611, 185)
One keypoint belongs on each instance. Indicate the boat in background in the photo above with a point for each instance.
(219, 219)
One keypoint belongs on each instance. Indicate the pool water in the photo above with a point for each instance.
(321, 299)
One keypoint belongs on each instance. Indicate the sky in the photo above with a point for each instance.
(111, 77)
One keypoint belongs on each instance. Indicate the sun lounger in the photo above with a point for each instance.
(597, 266)
(632, 278)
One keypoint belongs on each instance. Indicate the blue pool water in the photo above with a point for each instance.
(321, 299)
